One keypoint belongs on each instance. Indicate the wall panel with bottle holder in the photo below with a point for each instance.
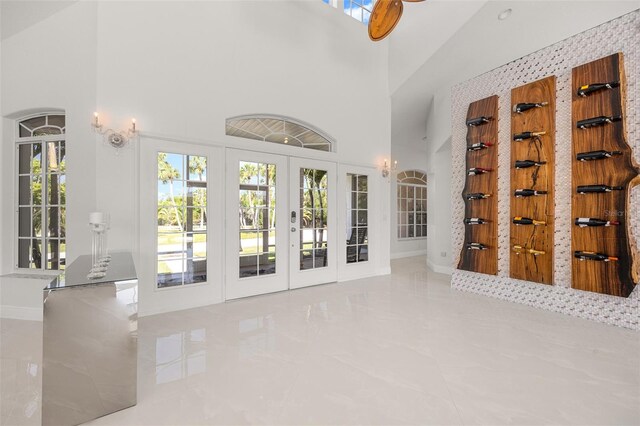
(605, 259)
(480, 249)
(604, 224)
(533, 110)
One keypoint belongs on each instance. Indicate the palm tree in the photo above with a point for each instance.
(314, 180)
(167, 174)
(198, 165)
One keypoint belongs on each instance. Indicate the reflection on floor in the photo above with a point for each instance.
(399, 349)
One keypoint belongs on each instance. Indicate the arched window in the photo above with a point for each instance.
(279, 129)
(41, 203)
(412, 204)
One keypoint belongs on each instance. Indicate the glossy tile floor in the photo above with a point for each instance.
(401, 349)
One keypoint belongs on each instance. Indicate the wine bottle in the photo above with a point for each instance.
(519, 220)
(527, 135)
(476, 196)
(528, 192)
(474, 221)
(597, 121)
(520, 108)
(476, 246)
(588, 89)
(525, 164)
(477, 171)
(590, 189)
(473, 122)
(591, 221)
(596, 155)
(478, 146)
(519, 249)
(589, 255)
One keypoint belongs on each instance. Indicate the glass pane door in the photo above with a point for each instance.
(257, 218)
(312, 216)
(256, 224)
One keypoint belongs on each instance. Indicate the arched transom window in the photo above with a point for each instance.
(412, 204)
(42, 125)
(279, 129)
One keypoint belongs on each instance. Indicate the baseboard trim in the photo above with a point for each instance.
(408, 254)
(20, 313)
(441, 269)
(380, 272)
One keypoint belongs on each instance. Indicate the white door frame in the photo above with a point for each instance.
(237, 287)
(153, 300)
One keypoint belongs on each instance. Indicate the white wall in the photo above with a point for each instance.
(424, 27)
(181, 68)
(222, 59)
(439, 255)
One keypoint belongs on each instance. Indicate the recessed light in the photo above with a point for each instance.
(504, 14)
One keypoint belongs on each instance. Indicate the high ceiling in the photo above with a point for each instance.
(473, 47)
(437, 44)
(18, 15)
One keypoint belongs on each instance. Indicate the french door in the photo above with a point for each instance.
(256, 226)
(280, 223)
(313, 245)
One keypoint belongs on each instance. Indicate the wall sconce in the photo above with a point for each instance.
(115, 139)
(386, 169)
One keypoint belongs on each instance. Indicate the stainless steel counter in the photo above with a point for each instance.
(90, 346)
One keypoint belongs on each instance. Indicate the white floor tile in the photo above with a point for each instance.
(400, 349)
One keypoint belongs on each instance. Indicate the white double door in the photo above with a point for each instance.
(280, 223)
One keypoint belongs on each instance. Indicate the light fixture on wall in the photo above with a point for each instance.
(117, 139)
(386, 168)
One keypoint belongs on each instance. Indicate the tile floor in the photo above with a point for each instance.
(400, 349)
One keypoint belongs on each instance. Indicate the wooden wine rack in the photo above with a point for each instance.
(483, 261)
(616, 277)
(524, 265)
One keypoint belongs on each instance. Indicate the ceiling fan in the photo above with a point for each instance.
(384, 17)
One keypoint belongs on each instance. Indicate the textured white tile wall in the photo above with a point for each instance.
(619, 35)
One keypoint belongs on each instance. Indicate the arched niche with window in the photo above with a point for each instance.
(412, 204)
(41, 192)
(281, 130)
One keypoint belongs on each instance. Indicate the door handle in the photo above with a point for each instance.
(293, 229)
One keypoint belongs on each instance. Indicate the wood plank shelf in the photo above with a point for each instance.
(616, 277)
(533, 110)
(482, 127)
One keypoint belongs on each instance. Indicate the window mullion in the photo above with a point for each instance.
(44, 165)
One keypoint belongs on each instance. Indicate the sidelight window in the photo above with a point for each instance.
(181, 219)
(357, 218)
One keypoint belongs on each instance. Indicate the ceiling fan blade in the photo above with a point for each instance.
(384, 18)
